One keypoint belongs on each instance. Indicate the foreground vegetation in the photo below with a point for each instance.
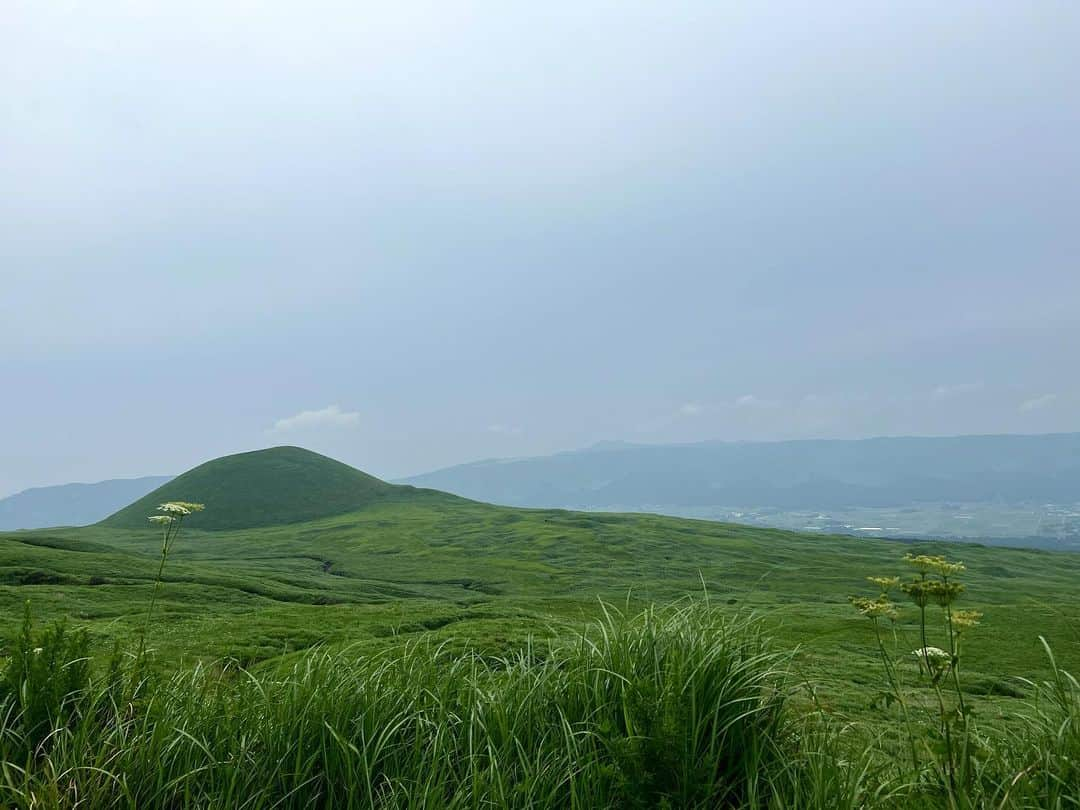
(681, 707)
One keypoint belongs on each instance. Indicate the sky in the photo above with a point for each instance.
(411, 234)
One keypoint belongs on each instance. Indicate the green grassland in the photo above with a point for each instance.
(460, 623)
(495, 576)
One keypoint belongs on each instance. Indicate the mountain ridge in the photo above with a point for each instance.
(73, 504)
(810, 473)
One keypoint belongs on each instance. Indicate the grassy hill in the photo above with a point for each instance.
(268, 488)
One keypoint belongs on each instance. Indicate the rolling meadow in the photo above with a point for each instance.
(321, 639)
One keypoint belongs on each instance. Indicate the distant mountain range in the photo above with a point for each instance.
(814, 474)
(73, 504)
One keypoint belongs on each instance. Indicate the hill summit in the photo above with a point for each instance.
(267, 488)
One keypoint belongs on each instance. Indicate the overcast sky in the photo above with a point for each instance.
(413, 234)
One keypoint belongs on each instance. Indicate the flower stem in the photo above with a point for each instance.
(172, 528)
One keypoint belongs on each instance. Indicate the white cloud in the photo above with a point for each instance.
(1037, 403)
(955, 390)
(751, 401)
(690, 409)
(329, 417)
(505, 430)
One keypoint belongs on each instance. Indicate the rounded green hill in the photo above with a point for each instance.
(267, 488)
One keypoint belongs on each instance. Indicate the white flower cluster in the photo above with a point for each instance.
(175, 510)
(932, 656)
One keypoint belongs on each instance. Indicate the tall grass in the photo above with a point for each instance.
(678, 707)
(673, 708)
(1042, 757)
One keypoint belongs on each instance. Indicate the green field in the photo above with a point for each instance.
(497, 575)
(417, 565)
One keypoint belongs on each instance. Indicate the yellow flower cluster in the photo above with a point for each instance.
(921, 591)
(965, 619)
(927, 564)
(885, 583)
(875, 608)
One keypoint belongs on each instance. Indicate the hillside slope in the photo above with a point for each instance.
(72, 504)
(270, 487)
(497, 575)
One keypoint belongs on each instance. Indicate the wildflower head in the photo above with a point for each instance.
(180, 508)
(918, 591)
(875, 608)
(922, 563)
(965, 619)
(935, 659)
(38, 650)
(886, 584)
(947, 569)
(160, 519)
(927, 564)
(945, 592)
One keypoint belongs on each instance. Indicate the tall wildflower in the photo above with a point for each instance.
(883, 608)
(170, 520)
(933, 583)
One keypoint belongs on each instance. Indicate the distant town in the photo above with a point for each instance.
(1051, 526)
